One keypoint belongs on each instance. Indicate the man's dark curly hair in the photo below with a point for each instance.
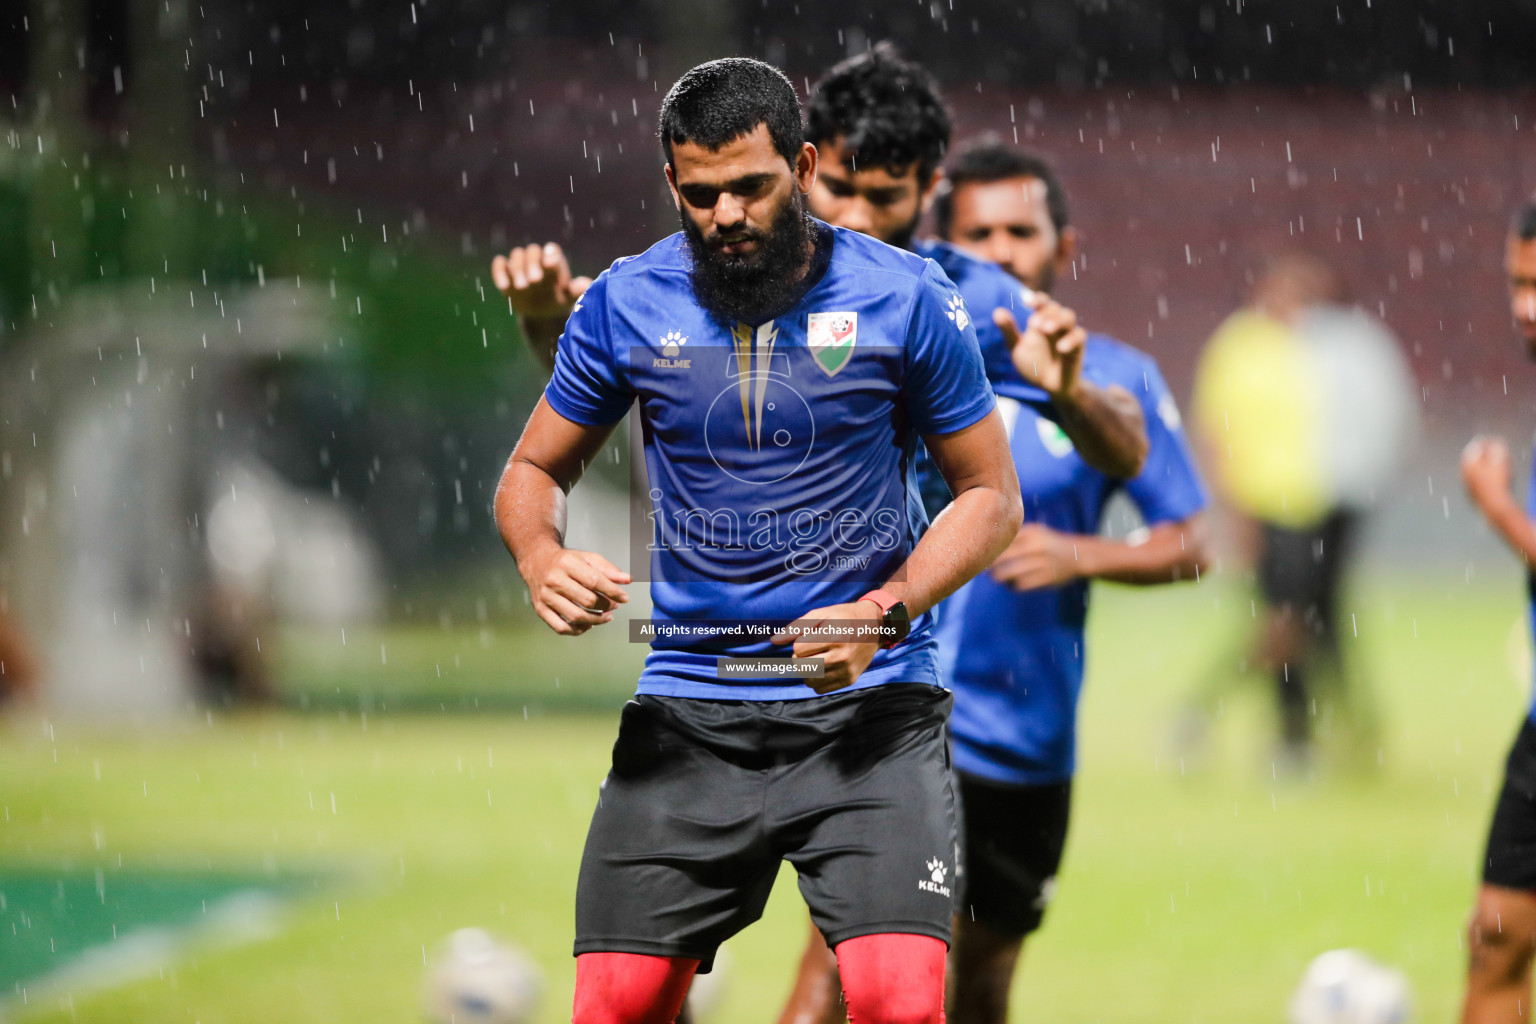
(886, 109)
(986, 159)
(725, 99)
(1524, 225)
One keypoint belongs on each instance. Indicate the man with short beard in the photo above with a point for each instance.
(785, 372)
(881, 128)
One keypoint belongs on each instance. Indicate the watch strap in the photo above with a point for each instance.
(884, 598)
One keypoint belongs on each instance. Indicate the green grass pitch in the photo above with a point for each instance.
(1191, 892)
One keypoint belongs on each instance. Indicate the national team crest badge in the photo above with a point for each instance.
(1053, 438)
(830, 337)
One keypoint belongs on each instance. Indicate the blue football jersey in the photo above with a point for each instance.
(1015, 660)
(984, 287)
(780, 456)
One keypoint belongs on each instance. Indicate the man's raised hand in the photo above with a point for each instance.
(1105, 425)
(537, 278)
(1048, 352)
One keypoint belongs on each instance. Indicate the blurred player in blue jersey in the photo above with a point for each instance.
(1502, 931)
(1011, 641)
(784, 371)
(881, 128)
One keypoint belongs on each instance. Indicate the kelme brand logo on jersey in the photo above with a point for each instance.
(1053, 438)
(830, 337)
(671, 345)
(935, 881)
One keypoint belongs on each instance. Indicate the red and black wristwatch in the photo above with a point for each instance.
(894, 620)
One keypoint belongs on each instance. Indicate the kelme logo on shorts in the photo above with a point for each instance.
(934, 883)
(830, 337)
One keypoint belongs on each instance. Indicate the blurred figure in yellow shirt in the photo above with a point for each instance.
(1257, 419)
(1303, 409)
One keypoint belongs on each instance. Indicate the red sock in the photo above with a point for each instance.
(628, 988)
(893, 978)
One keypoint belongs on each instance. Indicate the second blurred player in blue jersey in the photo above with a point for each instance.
(882, 129)
(1011, 641)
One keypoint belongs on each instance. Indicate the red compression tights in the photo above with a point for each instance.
(893, 978)
(889, 978)
(628, 988)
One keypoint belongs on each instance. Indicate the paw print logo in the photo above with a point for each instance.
(936, 868)
(672, 343)
(956, 312)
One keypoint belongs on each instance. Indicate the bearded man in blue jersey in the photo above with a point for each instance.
(785, 372)
(1104, 423)
(1011, 640)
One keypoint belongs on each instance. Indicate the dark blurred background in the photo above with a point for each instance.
(254, 239)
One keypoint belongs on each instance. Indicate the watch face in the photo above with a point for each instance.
(901, 620)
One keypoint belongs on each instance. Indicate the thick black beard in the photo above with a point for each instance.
(764, 283)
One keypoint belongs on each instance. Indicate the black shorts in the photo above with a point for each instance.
(1303, 568)
(1510, 861)
(1011, 847)
(705, 798)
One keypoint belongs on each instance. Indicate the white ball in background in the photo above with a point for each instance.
(480, 980)
(1344, 986)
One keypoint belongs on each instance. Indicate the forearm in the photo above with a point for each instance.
(1106, 426)
(1511, 523)
(542, 335)
(1171, 552)
(962, 542)
(530, 514)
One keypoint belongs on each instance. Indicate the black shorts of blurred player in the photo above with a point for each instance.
(1012, 841)
(1299, 574)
